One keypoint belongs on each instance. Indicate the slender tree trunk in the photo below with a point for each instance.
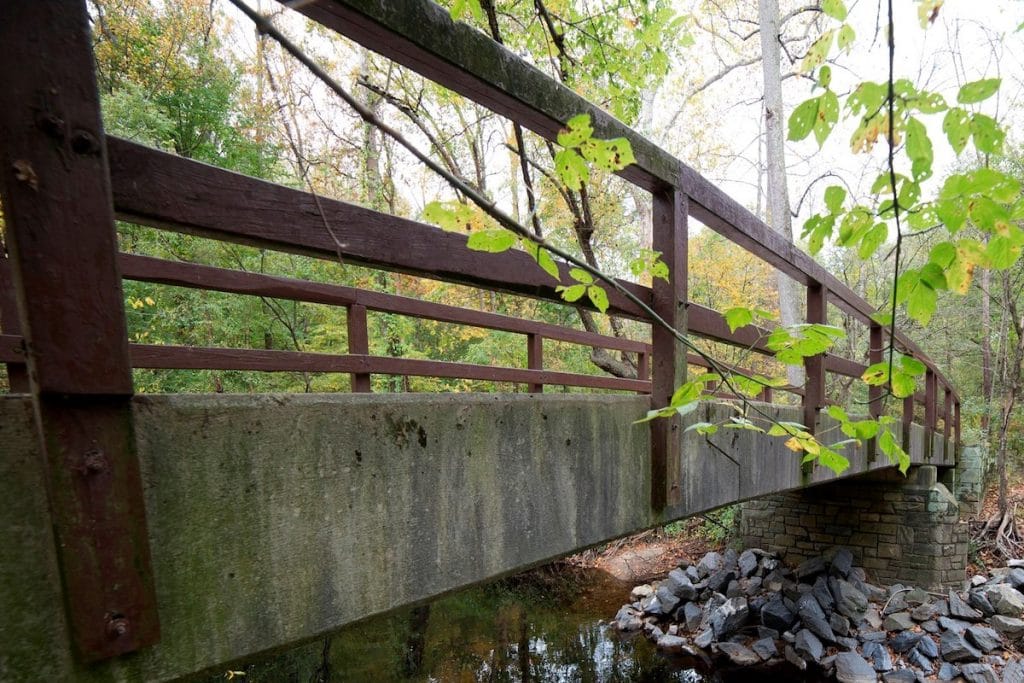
(986, 347)
(778, 188)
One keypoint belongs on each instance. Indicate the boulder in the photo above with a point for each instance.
(840, 624)
(1005, 599)
(927, 647)
(776, 615)
(919, 661)
(727, 618)
(904, 641)
(811, 567)
(671, 643)
(960, 609)
(793, 658)
(739, 655)
(947, 672)
(880, 658)
(666, 600)
(842, 562)
(901, 621)
(765, 648)
(850, 602)
(808, 646)
(692, 615)
(955, 649)
(709, 564)
(1010, 627)
(680, 585)
(983, 638)
(979, 673)
(747, 563)
(852, 668)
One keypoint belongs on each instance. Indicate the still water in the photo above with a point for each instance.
(543, 626)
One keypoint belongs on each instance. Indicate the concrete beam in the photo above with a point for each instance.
(276, 519)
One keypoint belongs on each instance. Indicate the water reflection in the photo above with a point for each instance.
(543, 626)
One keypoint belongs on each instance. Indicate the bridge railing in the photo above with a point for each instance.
(62, 309)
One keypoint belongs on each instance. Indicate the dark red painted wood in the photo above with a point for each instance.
(875, 351)
(535, 359)
(195, 358)
(147, 269)
(60, 231)
(669, 302)
(17, 371)
(162, 190)
(814, 366)
(908, 420)
(358, 343)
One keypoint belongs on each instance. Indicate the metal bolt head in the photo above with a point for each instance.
(117, 626)
(95, 462)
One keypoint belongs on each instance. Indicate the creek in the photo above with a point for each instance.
(546, 625)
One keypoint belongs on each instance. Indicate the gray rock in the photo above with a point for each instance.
(704, 639)
(960, 609)
(1014, 672)
(709, 564)
(793, 658)
(813, 617)
(1015, 577)
(842, 562)
(734, 590)
(895, 604)
(811, 567)
(979, 673)
(776, 615)
(880, 658)
(955, 649)
(983, 638)
(765, 648)
(931, 626)
(765, 632)
(729, 558)
(851, 668)
(747, 563)
(917, 596)
(739, 655)
(671, 643)
(978, 600)
(628, 620)
(901, 621)
(918, 660)
(1005, 599)
(948, 672)
(642, 591)
(666, 599)
(808, 645)
(720, 579)
(923, 612)
(692, 616)
(752, 585)
(900, 676)
(949, 624)
(840, 624)
(727, 618)
(823, 595)
(679, 583)
(904, 641)
(1009, 626)
(848, 644)
(927, 647)
(872, 617)
(692, 573)
(872, 636)
(850, 602)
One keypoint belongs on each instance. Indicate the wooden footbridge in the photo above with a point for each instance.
(154, 537)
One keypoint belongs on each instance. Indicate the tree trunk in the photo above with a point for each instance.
(778, 188)
(986, 347)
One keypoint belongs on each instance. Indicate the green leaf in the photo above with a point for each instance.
(738, 317)
(1002, 252)
(459, 8)
(873, 238)
(827, 116)
(702, 428)
(837, 413)
(846, 37)
(835, 195)
(801, 121)
(978, 91)
(543, 258)
(919, 149)
(571, 169)
(895, 453)
(492, 241)
(817, 53)
(577, 131)
(912, 366)
(580, 275)
(834, 8)
(956, 124)
(832, 460)
(825, 76)
(988, 136)
(572, 293)
(598, 297)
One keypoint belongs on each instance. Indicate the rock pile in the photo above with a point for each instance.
(750, 609)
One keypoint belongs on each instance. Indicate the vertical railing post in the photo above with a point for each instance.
(814, 366)
(947, 422)
(643, 366)
(55, 189)
(956, 425)
(535, 359)
(908, 420)
(766, 394)
(931, 411)
(359, 343)
(17, 373)
(875, 393)
(670, 208)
